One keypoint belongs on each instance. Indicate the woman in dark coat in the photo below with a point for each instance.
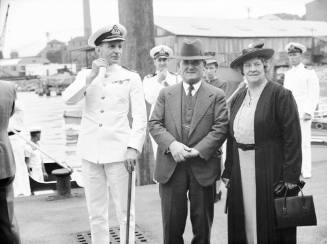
(264, 147)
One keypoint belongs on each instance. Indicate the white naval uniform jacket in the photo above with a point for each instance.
(105, 132)
(152, 86)
(304, 85)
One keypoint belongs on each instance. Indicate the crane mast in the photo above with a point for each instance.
(3, 33)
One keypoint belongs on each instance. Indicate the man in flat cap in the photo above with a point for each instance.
(304, 85)
(211, 69)
(189, 123)
(153, 83)
(107, 144)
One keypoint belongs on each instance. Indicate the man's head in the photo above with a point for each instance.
(35, 134)
(108, 42)
(211, 68)
(161, 55)
(192, 61)
(295, 53)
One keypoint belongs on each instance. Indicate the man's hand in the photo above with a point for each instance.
(226, 182)
(130, 159)
(178, 151)
(307, 116)
(96, 65)
(162, 75)
(192, 153)
(290, 185)
(45, 176)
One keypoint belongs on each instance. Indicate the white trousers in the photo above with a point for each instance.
(21, 182)
(306, 148)
(98, 180)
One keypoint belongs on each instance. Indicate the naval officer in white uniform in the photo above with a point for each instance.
(304, 85)
(153, 83)
(107, 144)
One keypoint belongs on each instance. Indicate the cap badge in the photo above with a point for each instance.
(115, 30)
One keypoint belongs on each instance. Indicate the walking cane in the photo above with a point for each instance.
(129, 196)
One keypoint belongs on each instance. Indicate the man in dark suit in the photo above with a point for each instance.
(8, 233)
(211, 68)
(189, 123)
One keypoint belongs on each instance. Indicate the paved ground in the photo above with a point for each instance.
(52, 222)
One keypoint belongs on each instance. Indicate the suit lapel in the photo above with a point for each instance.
(203, 101)
(175, 107)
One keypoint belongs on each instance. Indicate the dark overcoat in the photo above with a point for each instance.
(7, 105)
(277, 157)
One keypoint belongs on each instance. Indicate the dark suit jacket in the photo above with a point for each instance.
(7, 105)
(208, 131)
(218, 83)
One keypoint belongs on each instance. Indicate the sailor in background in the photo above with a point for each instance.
(107, 144)
(21, 182)
(34, 158)
(153, 83)
(304, 84)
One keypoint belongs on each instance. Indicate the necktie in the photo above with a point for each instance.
(189, 97)
(190, 89)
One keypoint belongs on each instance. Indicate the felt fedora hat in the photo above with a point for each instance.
(191, 50)
(253, 51)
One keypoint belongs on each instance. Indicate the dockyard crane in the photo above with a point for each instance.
(3, 33)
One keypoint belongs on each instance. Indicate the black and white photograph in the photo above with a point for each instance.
(163, 121)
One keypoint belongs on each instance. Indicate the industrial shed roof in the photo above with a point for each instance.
(188, 26)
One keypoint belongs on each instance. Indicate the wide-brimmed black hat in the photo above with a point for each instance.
(192, 50)
(253, 51)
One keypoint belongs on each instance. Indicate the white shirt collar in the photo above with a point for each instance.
(196, 87)
(299, 66)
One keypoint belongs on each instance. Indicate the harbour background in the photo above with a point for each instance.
(47, 113)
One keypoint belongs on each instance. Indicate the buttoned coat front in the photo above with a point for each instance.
(304, 85)
(7, 105)
(105, 131)
(207, 133)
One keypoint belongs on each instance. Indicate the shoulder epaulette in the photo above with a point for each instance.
(150, 75)
(308, 68)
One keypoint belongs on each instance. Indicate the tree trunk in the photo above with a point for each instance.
(137, 17)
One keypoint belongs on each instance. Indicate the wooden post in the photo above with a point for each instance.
(137, 17)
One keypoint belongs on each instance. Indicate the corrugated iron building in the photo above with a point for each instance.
(225, 38)
(316, 10)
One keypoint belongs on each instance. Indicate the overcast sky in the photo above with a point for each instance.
(29, 20)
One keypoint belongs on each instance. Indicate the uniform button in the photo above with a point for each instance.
(103, 97)
(101, 111)
(100, 125)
